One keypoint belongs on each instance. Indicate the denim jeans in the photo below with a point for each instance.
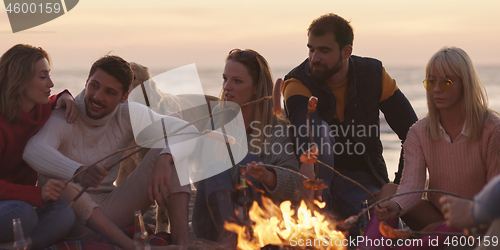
(44, 226)
(342, 197)
(347, 197)
(203, 226)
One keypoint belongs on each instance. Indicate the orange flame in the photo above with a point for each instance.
(280, 226)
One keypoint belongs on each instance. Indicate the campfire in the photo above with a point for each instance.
(286, 227)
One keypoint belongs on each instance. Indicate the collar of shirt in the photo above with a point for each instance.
(462, 136)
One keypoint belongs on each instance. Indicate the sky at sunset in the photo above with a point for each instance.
(164, 34)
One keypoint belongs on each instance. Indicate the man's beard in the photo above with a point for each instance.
(323, 75)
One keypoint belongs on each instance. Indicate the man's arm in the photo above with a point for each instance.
(296, 97)
(398, 113)
(297, 102)
(486, 203)
(42, 154)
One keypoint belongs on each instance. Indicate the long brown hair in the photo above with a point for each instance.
(17, 67)
(259, 70)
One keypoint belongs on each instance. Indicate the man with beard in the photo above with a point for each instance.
(104, 127)
(351, 90)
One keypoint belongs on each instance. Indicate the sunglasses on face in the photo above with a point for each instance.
(244, 54)
(444, 84)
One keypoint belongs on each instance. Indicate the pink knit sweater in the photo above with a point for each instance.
(462, 168)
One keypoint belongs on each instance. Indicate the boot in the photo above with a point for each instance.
(221, 210)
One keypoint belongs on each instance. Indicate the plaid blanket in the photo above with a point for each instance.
(98, 242)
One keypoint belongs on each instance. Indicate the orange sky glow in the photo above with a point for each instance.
(167, 34)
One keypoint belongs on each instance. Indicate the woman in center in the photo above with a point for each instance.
(246, 78)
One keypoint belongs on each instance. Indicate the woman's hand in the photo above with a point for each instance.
(52, 189)
(66, 100)
(261, 174)
(387, 210)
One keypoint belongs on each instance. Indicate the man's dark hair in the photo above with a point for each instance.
(332, 23)
(117, 67)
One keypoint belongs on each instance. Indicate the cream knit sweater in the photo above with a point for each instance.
(60, 148)
(462, 168)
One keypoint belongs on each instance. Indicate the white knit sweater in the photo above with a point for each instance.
(60, 148)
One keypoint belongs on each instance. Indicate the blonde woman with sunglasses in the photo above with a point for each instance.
(457, 143)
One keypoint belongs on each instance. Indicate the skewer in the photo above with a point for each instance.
(349, 222)
(207, 133)
(107, 169)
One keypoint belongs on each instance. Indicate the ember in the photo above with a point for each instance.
(281, 226)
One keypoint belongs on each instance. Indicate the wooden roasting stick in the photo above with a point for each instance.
(107, 169)
(349, 222)
(277, 109)
(207, 133)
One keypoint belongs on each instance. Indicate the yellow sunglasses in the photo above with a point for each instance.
(444, 84)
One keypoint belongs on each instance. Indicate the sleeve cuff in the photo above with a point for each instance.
(280, 187)
(166, 151)
(400, 208)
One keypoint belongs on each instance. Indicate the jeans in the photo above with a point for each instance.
(203, 225)
(347, 197)
(44, 226)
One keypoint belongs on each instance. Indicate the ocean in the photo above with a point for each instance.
(409, 80)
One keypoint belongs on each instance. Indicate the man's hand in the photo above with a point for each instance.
(66, 100)
(261, 174)
(457, 212)
(160, 178)
(387, 210)
(92, 176)
(52, 189)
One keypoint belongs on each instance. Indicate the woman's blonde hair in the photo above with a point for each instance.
(454, 61)
(17, 67)
(263, 111)
(162, 103)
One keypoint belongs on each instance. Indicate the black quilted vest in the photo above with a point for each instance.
(362, 105)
